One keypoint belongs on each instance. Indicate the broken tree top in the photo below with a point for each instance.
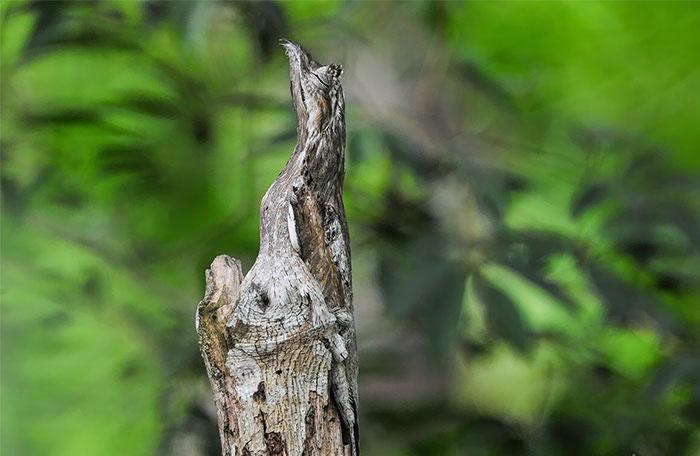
(279, 343)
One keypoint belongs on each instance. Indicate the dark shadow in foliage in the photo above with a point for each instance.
(627, 304)
(267, 23)
(421, 286)
(503, 317)
(419, 282)
(528, 253)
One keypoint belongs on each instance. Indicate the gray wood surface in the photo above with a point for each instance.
(279, 343)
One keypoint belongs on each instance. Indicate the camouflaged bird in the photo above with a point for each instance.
(288, 381)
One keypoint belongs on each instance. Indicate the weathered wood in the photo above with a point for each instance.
(279, 343)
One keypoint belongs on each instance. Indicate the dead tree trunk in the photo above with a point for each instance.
(279, 343)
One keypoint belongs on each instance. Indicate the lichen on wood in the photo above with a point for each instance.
(279, 343)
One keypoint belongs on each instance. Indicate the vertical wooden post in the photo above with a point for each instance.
(279, 343)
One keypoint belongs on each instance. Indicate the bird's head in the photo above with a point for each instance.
(316, 88)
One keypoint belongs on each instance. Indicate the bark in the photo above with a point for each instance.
(279, 343)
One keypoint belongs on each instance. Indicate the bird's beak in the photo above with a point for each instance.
(295, 53)
(298, 71)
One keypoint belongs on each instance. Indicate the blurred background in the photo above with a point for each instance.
(523, 190)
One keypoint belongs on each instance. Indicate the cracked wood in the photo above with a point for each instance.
(279, 343)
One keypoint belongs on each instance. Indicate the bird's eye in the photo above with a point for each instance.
(327, 75)
(321, 76)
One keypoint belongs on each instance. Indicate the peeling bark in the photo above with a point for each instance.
(279, 343)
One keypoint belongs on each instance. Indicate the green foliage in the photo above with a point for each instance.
(522, 185)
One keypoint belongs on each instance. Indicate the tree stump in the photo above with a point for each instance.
(279, 344)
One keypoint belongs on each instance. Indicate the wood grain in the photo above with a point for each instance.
(279, 344)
